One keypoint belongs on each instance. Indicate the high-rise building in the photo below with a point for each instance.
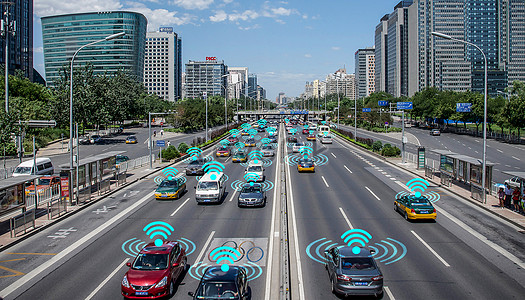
(341, 83)
(20, 37)
(162, 64)
(397, 50)
(252, 86)
(381, 43)
(237, 82)
(206, 78)
(281, 99)
(364, 72)
(64, 34)
(261, 92)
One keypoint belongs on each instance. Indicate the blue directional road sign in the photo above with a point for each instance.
(404, 105)
(382, 103)
(463, 107)
(367, 109)
(161, 143)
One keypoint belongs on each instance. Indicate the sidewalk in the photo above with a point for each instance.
(492, 204)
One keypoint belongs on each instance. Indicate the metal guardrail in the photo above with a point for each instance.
(7, 172)
(56, 207)
(476, 193)
(121, 178)
(429, 172)
(22, 222)
(104, 186)
(446, 179)
(134, 163)
(84, 195)
(42, 196)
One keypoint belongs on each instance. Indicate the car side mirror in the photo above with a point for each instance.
(190, 294)
(372, 251)
(195, 187)
(175, 265)
(128, 264)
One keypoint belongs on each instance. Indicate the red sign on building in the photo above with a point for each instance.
(211, 58)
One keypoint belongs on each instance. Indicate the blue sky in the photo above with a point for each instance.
(285, 43)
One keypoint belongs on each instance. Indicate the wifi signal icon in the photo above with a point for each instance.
(286, 120)
(239, 145)
(251, 177)
(170, 172)
(305, 151)
(306, 126)
(293, 131)
(265, 140)
(255, 155)
(194, 152)
(225, 253)
(417, 184)
(311, 132)
(246, 126)
(262, 122)
(234, 132)
(213, 167)
(356, 236)
(158, 179)
(323, 122)
(158, 228)
(224, 143)
(252, 131)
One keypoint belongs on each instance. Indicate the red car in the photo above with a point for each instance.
(223, 151)
(305, 131)
(233, 139)
(154, 272)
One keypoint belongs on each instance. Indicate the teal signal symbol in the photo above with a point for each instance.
(213, 167)
(239, 145)
(323, 122)
(194, 152)
(306, 126)
(305, 151)
(158, 179)
(234, 132)
(170, 172)
(224, 143)
(252, 131)
(417, 184)
(255, 155)
(262, 122)
(225, 254)
(246, 126)
(293, 131)
(251, 177)
(156, 228)
(270, 129)
(286, 120)
(356, 236)
(265, 140)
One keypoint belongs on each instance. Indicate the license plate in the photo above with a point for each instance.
(193, 172)
(361, 283)
(141, 293)
(423, 211)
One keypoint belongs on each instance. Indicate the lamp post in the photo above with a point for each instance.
(483, 174)
(108, 38)
(7, 28)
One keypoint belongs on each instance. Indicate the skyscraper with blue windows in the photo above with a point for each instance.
(65, 34)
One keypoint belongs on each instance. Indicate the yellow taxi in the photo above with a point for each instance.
(244, 132)
(240, 157)
(223, 151)
(306, 165)
(415, 207)
(310, 137)
(131, 139)
(170, 188)
(249, 143)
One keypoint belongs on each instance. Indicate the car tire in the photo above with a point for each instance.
(332, 284)
(171, 291)
(406, 216)
(380, 296)
(396, 209)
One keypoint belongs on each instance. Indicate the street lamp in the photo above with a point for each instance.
(483, 174)
(108, 38)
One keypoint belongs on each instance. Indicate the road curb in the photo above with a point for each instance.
(438, 184)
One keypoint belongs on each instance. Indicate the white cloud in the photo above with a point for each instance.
(281, 11)
(307, 55)
(161, 17)
(249, 27)
(280, 21)
(335, 48)
(248, 14)
(305, 16)
(227, 1)
(219, 16)
(193, 4)
(56, 7)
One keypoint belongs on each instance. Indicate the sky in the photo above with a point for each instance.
(286, 43)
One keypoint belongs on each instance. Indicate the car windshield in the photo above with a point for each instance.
(251, 189)
(240, 153)
(207, 185)
(146, 261)
(221, 290)
(23, 170)
(267, 148)
(357, 263)
(131, 138)
(299, 145)
(222, 149)
(44, 181)
(254, 169)
(169, 183)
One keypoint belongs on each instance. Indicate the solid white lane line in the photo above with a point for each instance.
(333, 155)
(300, 284)
(99, 287)
(185, 201)
(347, 169)
(346, 218)
(201, 254)
(515, 158)
(273, 234)
(389, 293)
(372, 193)
(233, 195)
(499, 151)
(55, 259)
(325, 182)
(430, 248)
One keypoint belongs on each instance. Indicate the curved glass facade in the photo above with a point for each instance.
(65, 34)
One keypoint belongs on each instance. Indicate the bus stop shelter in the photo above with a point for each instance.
(466, 169)
(94, 175)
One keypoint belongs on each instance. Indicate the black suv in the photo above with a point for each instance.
(217, 284)
(353, 274)
(195, 167)
(252, 194)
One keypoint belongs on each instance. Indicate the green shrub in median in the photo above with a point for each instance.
(183, 147)
(376, 146)
(170, 153)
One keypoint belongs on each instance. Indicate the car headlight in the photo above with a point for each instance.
(125, 281)
(163, 282)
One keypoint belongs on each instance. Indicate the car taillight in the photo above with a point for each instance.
(412, 211)
(434, 210)
(377, 278)
(343, 278)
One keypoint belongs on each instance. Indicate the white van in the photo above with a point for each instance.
(43, 167)
(210, 188)
(257, 168)
(323, 130)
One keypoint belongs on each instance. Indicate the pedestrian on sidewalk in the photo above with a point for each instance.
(523, 204)
(516, 195)
(508, 195)
(161, 132)
(501, 196)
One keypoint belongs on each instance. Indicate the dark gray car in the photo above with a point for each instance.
(252, 194)
(353, 274)
(195, 167)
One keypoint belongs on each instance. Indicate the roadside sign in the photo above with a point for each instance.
(404, 105)
(161, 143)
(382, 103)
(367, 109)
(463, 107)
(386, 123)
(205, 95)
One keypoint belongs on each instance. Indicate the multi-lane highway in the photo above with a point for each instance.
(467, 253)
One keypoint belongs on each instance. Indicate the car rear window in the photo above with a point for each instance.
(357, 263)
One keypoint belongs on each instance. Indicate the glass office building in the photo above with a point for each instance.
(65, 34)
(206, 77)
